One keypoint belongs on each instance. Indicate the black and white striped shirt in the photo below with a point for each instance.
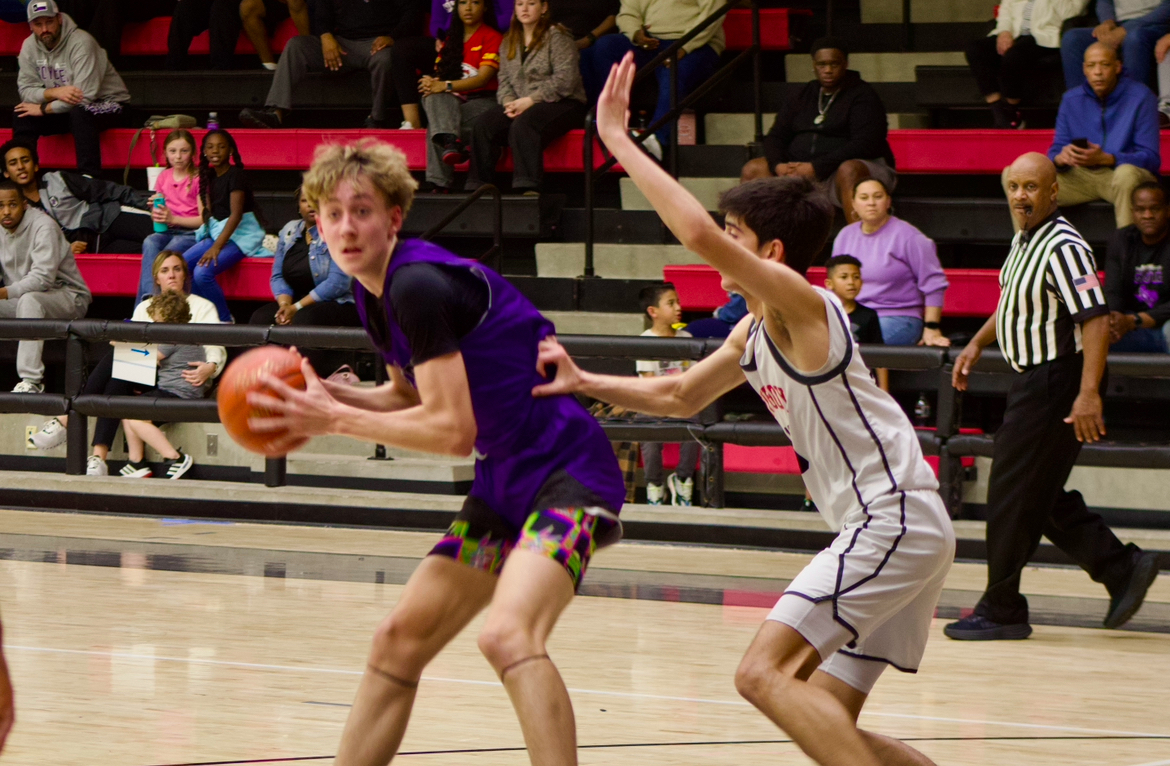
(1048, 287)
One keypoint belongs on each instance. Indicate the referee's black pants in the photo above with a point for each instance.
(1034, 453)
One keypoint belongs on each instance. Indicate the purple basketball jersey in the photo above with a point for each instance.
(521, 440)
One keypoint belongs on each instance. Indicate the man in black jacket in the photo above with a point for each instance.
(832, 131)
(1136, 267)
(88, 210)
(356, 34)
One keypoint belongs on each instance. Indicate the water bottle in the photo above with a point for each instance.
(213, 120)
(159, 202)
(922, 410)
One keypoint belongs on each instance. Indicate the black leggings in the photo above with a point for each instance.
(1010, 74)
(411, 58)
(101, 382)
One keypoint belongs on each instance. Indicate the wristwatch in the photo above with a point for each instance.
(932, 325)
(450, 86)
(1138, 323)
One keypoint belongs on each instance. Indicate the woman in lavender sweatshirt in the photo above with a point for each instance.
(902, 279)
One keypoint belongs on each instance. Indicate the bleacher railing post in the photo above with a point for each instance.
(587, 149)
(949, 417)
(757, 93)
(275, 471)
(77, 431)
(712, 473)
(673, 64)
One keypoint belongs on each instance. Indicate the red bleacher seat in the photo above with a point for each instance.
(973, 151)
(973, 292)
(117, 275)
(293, 149)
(775, 34)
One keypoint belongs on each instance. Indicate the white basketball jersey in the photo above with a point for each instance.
(854, 443)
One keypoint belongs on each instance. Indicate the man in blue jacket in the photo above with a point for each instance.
(1106, 140)
(1131, 27)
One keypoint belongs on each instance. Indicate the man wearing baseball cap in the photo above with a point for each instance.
(67, 85)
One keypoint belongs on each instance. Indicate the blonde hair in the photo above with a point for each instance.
(159, 259)
(170, 307)
(381, 163)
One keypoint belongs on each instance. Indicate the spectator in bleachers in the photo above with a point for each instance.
(260, 18)
(41, 279)
(649, 27)
(1106, 140)
(105, 19)
(722, 321)
(462, 87)
(310, 290)
(588, 21)
(178, 185)
(67, 85)
(230, 230)
(89, 210)
(661, 311)
(171, 275)
(1137, 265)
(833, 131)
(356, 34)
(1004, 62)
(540, 98)
(904, 282)
(1130, 27)
(219, 18)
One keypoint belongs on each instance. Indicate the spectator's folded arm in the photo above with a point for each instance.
(867, 135)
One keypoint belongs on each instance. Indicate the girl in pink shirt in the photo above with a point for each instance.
(178, 185)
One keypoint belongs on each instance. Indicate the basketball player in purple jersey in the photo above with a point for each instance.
(461, 346)
(867, 600)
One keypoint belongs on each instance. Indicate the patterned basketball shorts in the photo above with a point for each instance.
(481, 539)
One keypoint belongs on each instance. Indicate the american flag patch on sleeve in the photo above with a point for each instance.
(1086, 283)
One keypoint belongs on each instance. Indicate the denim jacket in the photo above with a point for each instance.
(332, 283)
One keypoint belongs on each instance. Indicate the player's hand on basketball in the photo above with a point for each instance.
(299, 413)
(1087, 418)
(613, 107)
(566, 380)
(963, 365)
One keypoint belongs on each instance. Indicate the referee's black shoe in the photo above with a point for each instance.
(1125, 603)
(976, 627)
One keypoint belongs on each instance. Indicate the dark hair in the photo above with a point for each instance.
(791, 209)
(19, 143)
(7, 184)
(450, 66)
(1149, 186)
(867, 179)
(649, 296)
(836, 43)
(207, 173)
(841, 260)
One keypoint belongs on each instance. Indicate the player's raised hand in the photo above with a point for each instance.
(613, 107)
(568, 377)
(300, 413)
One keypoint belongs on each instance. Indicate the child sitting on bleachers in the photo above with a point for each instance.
(230, 230)
(178, 185)
(660, 306)
(173, 361)
(843, 279)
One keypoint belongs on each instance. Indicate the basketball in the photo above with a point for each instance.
(241, 377)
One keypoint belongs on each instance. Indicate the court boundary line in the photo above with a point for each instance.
(594, 692)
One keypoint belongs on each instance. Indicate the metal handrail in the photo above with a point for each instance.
(496, 251)
(670, 55)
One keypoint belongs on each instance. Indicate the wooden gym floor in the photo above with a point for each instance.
(150, 642)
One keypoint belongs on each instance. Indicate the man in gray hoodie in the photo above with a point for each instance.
(67, 85)
(41, 278)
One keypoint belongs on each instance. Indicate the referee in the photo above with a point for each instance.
(1052, 324)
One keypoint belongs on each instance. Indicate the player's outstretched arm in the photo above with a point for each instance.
(442, 422)
(672, 396)
(777, 286)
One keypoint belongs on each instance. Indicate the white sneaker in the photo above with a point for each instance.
(652, 147)
(174, 469)
(29, 387)
(95, 466)
(270, 66)
(406, 125)
(654, 494)
(681, 492)
(136, 471)
(52, 434)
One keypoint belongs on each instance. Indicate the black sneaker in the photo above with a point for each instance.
(427, 187)
(373, 124)
(1006, 116)
(139, 470)
(978, 628)
(808, 505)
(260, 118)
(1125, 604)
(453, 152)
(174, 469)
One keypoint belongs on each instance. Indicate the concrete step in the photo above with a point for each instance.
(706, 190)
(927, 11)
(725, 128)
(567, 259)
(597, 322)
(876, 67)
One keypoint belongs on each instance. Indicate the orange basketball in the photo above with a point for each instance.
(241, 377)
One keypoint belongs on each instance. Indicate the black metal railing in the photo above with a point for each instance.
(932, 368)
(669, 58)
(495, 254)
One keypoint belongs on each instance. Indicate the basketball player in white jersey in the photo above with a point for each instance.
(866, 601)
